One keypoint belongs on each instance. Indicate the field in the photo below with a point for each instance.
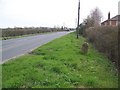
(60, 64)
(16, 32)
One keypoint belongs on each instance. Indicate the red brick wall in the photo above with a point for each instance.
(113, 23)
(109, 23)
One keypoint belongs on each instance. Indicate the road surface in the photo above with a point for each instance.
(16, 47)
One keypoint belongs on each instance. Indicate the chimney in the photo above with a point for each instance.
(109, 16)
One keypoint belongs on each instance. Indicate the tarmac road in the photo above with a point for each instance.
(13, 48)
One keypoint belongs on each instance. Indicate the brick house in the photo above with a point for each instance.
(111, 21)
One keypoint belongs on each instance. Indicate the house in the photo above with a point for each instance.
(112, 21)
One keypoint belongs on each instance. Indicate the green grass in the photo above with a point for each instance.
(60, 64)
(0, 76)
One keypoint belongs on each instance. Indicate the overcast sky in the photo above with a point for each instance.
(50, 13)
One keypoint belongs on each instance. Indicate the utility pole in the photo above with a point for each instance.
(77, 29)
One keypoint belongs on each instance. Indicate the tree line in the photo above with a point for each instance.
(18, 31)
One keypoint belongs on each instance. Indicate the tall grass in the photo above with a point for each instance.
(105, 39)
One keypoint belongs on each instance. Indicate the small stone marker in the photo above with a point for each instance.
(84, 48)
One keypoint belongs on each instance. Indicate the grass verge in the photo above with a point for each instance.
(60, 64)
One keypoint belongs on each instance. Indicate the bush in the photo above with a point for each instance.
(105, 39)
(82, 28)
(8, 32)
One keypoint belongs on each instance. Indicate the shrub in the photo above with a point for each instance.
(82, 28)
(24, 31)
(105, 39)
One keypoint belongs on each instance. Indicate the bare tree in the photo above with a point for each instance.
(89, 22)
(92, 20)
(96, 16)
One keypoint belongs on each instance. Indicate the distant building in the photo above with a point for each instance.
(112, 21)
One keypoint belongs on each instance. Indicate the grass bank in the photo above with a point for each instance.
(60, 64)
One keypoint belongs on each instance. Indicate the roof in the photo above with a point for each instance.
(116, 18)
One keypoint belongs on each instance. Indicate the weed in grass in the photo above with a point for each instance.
(91, 81)
(37, 53)
(45, 58)
(56, 70)
(46, 82)
(40, 65)
(53, 57)
(76, 83)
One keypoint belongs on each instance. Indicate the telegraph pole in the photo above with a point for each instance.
(77, 29)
